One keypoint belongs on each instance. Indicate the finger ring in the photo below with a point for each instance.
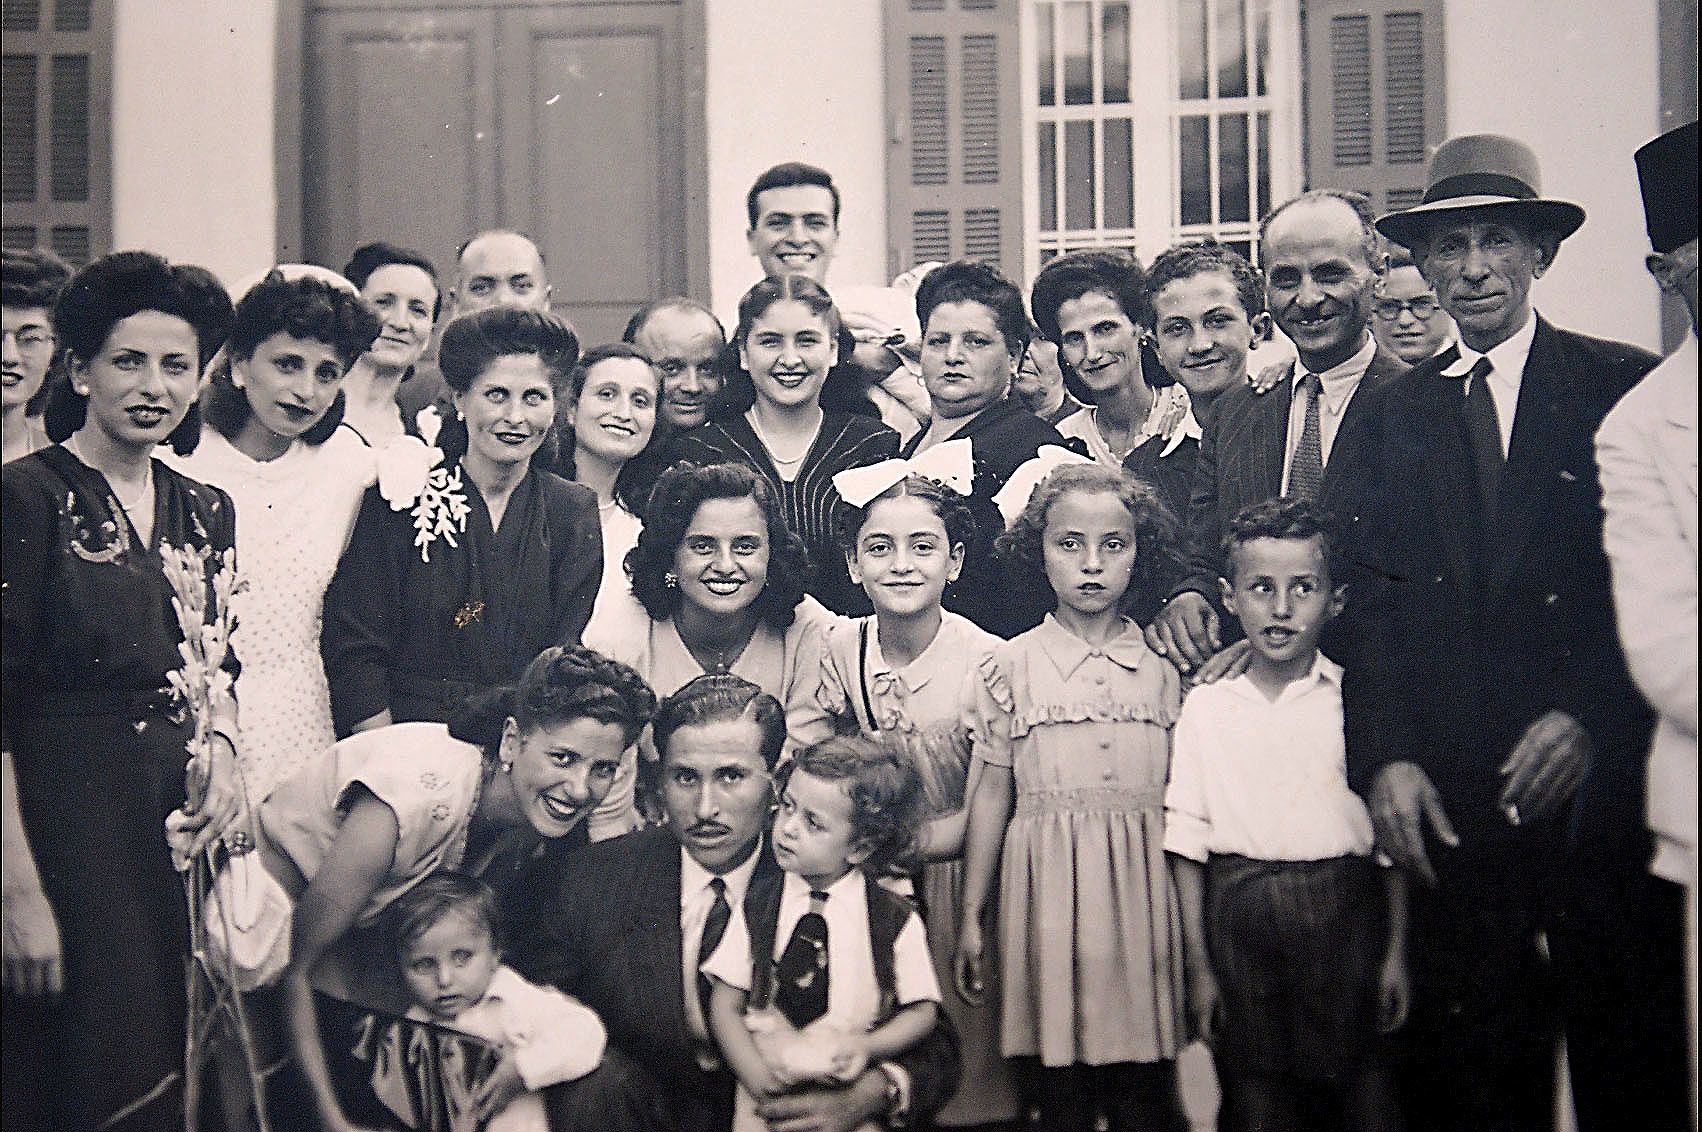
(1512, 812)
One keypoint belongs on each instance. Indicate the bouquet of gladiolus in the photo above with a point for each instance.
(203, 606)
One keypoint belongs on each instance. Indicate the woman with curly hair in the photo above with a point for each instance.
(783, 414)
(274, 445)
(458, 573)
(95, 931)
(30, 282)
(516, 772)
(721, 582)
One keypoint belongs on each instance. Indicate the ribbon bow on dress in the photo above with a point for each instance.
(951, 463)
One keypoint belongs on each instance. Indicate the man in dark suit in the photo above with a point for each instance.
(635, 916)
(1309, 436)
(1493, 705)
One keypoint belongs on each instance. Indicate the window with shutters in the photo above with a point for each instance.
(1153, 121)
(1374, 96)
(954, 183)
(55, 97)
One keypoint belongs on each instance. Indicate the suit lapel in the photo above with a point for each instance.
(1536, 455)
(653, 932)
(1448, 467)
(1378, 373)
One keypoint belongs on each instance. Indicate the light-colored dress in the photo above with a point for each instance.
(615, 604)
(293, 518)
(785, 665)
(1170, 414)
(1089, 926)
(921, 706)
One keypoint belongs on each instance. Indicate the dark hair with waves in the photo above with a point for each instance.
(1288, 517)
(368, 258)
(1155, 527)
(306, 308)
(472, 343)
(633, 480)
(112, 289)
(1106, 271)
(559, 686)
(674, 501)
(885, 792)
(1184, 261)
(720, 698)
(952, 509)
(972, 281)
(784, 176)
(437, 895)
(845, 388)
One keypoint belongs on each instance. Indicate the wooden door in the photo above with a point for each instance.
(576, 123)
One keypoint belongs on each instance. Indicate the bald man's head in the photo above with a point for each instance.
(500, 268)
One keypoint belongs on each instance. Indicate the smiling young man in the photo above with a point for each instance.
(634, 918)
(793, 210)
(1310, 436)
(1493, 724)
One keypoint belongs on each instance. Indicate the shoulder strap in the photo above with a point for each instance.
(888, 914)
(762, 918)
(863, 675)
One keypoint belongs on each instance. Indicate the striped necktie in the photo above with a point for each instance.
(1306, 472)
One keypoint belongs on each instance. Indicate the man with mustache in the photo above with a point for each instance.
(1493, 724)
(1308, 437)
(634, 917)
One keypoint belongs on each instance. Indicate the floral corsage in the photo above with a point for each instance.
(411, 475)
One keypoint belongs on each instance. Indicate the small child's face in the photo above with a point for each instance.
(1089, 550)
(814, 835)
(904, 561)
(1283, 595)
(449, 967)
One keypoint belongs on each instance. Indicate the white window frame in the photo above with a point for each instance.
(1156, 112)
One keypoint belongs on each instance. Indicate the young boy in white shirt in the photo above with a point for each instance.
(1295, 949)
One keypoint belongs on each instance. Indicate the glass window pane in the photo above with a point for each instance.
(1078, 175)
(1195, 152)
(1232, 168)
(1231, 49)
(1043, 54)
(1261, 44)
(1190, 48)
(1048, 177)
(1263, 125)
(1075, 40)
(1116, 65)
(1119, 174)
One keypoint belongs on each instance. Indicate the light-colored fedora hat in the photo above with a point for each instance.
(1483, 171)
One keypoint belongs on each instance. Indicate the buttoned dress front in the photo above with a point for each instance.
(1089, 927)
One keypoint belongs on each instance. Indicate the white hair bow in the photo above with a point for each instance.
(951, 463)
(1013, 497)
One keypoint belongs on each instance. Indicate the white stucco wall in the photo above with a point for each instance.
(1578, 81)
(826, 55)
(192, 132)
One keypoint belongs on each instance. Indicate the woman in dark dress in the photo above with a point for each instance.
(95, 922)
(788, 345)
(455, 579)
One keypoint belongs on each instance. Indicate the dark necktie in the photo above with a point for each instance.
(1306, 472)
(800, 974)
(714, 927)
(1483, 434)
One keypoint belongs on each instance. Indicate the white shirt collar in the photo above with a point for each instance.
(1323, 671)
(1339, 381)
(1507, 359)
(694, 878)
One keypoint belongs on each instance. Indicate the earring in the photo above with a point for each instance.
(671, 580)
(507, 766)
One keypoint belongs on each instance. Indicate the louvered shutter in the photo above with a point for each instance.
(1374, 96)
(954, 163)
(55, 78)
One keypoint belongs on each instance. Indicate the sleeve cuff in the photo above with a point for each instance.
(1186, 836)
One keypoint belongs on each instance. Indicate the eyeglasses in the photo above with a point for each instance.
(29, 341)
(1390, 309)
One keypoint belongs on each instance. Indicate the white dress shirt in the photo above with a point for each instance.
(1338, 384)
(1264, 778)
(696, 898)
(1507, 362)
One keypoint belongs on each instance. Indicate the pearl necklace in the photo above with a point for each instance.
(768, 445)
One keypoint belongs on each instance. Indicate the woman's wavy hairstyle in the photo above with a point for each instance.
(952, 509)
(112, 289)
(473, 342)
(34, 278)
(632, 482)
(1155, 527)
(885, 792)
(680, 491)
(845, 388)
(306, 308)
(972, 281)
(1104, 271)
(368, 258)
(558, 686)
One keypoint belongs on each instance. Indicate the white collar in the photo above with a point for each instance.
(694, 878)
(796, 887)
(1323, 671)
(1507, 359)
(1339, 381)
